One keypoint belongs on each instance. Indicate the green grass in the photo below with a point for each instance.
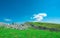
(31, 33)
(13, 33)
(49, 25)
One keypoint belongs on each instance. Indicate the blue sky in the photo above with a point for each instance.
(23, 10)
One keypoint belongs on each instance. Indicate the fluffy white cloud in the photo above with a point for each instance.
(7, 19)
(38, 17)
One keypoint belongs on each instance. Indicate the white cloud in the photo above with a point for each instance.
(7, 19)
(39, 17)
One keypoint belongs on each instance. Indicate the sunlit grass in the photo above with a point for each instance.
(48, 25)
(31, 33)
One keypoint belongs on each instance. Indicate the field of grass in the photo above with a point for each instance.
(31, 32)
(48, 25)
(13, 33)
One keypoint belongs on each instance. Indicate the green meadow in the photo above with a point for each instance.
(44, 24)
(30, 33)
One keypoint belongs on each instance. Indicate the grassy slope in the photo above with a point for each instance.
(31, 33)
(49, 25)
(12, 33)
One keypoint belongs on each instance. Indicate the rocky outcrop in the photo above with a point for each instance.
(15, 26)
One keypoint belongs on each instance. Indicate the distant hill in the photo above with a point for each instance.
(33, 25)
(49, 25)
(45, 26)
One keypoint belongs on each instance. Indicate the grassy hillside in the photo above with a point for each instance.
(49, 25)
(13, 33)
(31, 33)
